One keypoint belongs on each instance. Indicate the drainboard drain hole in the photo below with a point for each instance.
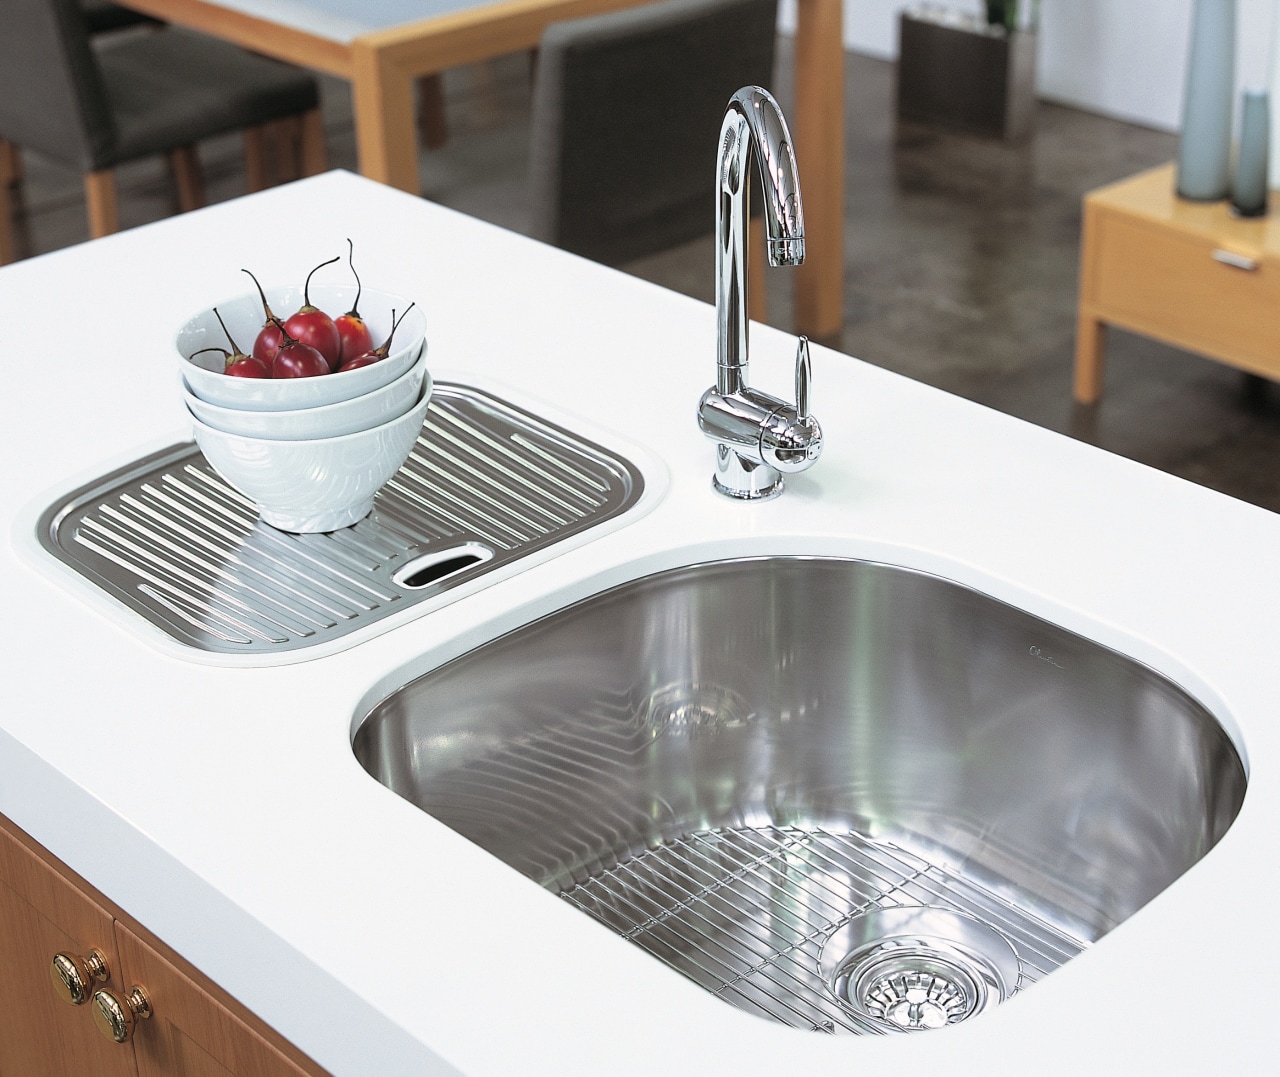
(440, 564)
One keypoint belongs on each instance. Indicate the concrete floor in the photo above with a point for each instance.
(961, 260)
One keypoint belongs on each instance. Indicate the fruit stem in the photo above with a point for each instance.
(235, 348)
(395, 324)
(351, 252)
(306, 288)
(266, 309)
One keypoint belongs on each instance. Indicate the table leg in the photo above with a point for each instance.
(10, 164)
(10, 177)
(8, 247)
(1090, 352)
(184, 163)
(102, 203)
(386, 135)
(431, 115)
(757, 301)
(313, 150)
(1090, 330)
(819, 137)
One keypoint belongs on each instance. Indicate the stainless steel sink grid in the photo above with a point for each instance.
(756, 915)
(846, 796)
(487, 483)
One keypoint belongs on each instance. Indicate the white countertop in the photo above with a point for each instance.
(224, 809)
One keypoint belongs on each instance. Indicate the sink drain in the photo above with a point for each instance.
(916, 990)
(918, 968)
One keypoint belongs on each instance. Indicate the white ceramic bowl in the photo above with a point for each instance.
(243, 315)
(327, 421)
(318, 485)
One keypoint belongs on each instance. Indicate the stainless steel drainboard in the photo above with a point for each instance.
(486, 484)
(745, 912)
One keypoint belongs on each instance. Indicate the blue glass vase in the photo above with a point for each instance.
(1249, 185)
(1204, 150)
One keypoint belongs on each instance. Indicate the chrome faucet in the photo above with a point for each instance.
(758, 437)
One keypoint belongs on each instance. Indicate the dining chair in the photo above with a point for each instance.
(102, 16)
(627, 109)
(158, 92)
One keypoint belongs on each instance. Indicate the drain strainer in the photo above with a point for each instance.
(917, 968)
(916, 989)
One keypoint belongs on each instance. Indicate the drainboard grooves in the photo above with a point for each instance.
(562, 469)
(170, 540)
(477, 508)
(744, 913)
(540, 484)
(219, 564)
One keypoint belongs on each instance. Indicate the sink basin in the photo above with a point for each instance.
(842, 795)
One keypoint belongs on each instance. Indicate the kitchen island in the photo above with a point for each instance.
(220, 805)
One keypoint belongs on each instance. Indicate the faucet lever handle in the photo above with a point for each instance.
(804, 377)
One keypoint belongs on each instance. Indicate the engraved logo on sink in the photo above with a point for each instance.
(1036, 652)
(706, 710)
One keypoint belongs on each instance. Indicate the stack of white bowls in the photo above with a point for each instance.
(309, 452)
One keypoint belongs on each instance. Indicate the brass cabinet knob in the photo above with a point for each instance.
(117, 1017)
(72, 975)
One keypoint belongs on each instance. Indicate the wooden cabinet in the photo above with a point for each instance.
(1187, 273)
(42, 914)
(195, 1029)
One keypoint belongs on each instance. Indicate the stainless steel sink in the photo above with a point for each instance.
(843, 795)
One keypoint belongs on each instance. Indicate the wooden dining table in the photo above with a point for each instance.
(383, 47)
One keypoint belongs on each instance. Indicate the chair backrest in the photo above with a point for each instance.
(102, 16)
(51, 96)
(626, 115)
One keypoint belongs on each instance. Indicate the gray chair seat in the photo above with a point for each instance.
(172, 87)
(97, 104)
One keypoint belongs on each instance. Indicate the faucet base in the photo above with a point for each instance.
(744, 479)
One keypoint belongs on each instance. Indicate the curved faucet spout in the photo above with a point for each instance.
(753, 130)
(758, 437)
(771, 141)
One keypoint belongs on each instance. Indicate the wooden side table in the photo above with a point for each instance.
(1187, 273)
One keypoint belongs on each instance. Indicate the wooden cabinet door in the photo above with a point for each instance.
(190, 1033)
(40, 915)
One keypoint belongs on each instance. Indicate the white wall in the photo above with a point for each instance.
(1123, 58)
(1117, 57)
(1128, 58)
